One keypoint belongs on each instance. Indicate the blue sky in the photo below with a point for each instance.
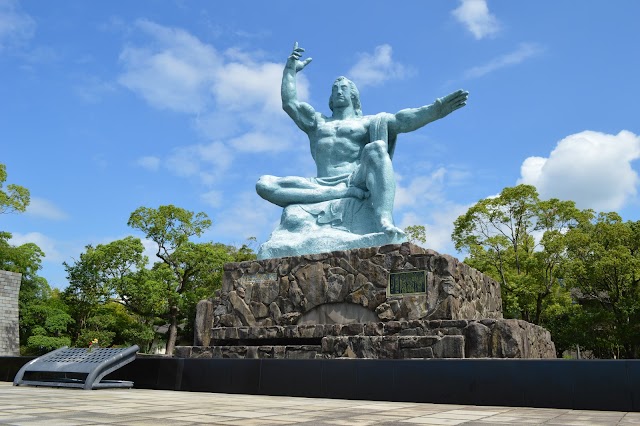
(109, 106)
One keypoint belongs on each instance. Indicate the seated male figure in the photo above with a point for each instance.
(352, 158)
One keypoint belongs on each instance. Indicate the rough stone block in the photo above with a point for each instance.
(477, 338)
(449, 347)
(287, 290)
(342, 301)
(413, 353)
(9, 337)
(203, 323)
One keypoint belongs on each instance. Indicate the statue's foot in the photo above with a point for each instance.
(390, 229)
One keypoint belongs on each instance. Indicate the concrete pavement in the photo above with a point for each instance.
(51, 406)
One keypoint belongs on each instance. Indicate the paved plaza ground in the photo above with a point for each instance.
(50, 406)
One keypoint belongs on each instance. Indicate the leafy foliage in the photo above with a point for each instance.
(113, 291)
(604, 269)
(520, 241)
(16, 198)
(94, 295)
(183, 262)
(44, 317)
(571, 271)
(416, 234)
(25, 259)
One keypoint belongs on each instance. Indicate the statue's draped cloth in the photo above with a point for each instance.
(343, 212)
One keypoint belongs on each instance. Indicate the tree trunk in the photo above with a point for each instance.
(173, 331)
(536, 320)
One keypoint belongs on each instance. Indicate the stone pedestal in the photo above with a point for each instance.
(353, 286)
(9, 291)
(394, 301)
(487, 338)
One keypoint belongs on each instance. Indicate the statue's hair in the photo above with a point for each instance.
(355, 96)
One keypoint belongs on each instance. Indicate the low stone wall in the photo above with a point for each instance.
(397, 301)
(487, 338)
(9, 291)
(349, 286)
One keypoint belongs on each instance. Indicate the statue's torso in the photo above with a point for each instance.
(336, 145)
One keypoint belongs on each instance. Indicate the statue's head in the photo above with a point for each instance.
(345, 90)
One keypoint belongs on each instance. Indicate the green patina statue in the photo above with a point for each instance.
(350, 201)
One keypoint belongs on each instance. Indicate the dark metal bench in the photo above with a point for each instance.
(77, 368)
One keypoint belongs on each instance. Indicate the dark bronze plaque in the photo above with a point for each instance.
(407, 282)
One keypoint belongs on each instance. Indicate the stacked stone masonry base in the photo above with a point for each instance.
(396, 301)
(9, 291)
(351, 286)
(488, 338)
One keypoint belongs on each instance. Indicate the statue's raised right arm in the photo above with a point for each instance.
(410, 119)
(302, 113)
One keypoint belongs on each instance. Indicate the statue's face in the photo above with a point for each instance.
(341, 94)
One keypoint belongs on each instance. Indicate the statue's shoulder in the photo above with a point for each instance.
(381, 116)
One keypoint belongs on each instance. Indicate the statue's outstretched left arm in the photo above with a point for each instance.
(410, 119)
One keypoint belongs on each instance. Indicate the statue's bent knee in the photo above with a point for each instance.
(265, 185)
(375, 151)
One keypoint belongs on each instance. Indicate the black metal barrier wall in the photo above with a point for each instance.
(577, 384)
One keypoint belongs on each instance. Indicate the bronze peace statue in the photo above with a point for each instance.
(350, 201)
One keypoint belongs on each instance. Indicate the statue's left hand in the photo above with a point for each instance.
(453, 101)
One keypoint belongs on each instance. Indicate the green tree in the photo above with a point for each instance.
(114, 296)
(604, 269)
(500, 235)
(44, 318)
(16, 198)
(416, 234)
(25, 259)
(97, 282)
(185, 264)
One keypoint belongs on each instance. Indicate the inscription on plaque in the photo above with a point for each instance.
(258, 278)
(407, 282)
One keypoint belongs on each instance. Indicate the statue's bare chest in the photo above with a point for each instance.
(354, 131)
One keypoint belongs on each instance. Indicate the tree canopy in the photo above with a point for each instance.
(603, 269)
(566, 269)
(164, 293)
(519, 240)
(16, 198)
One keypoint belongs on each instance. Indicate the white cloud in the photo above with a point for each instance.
(212, 198)
(591, 168)
(239, 86)
(174, 72)
(232, 97)
(522, 53)
(426, 188)
(177, 71)
(475, 16)
(438, 222)
(16, 27)
(149, 162)
(246, 215)
(260, 142)
(39, 207)
(422, 200)
(48, 245)
(374, 69)
(205, 161)
(218, 124)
